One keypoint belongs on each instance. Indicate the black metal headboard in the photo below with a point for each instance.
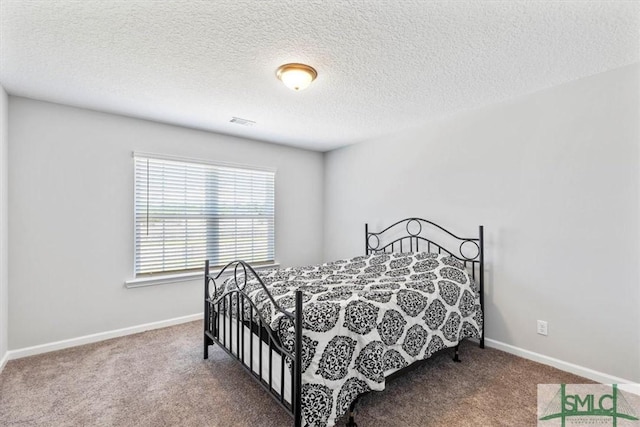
(420, 235)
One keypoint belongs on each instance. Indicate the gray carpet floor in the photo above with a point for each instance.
(158, 378)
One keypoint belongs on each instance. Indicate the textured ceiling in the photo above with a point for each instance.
(384, 65)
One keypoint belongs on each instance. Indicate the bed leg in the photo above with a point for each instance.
(297, 386)
(352, 413)
(207, 317)
(206, 346)
(482, 341)
(456, 354)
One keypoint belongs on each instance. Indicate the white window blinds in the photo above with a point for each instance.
(188, 212)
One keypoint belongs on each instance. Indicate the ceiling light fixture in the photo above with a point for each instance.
(296, 76)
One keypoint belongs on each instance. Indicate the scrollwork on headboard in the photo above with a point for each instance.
(410, 235)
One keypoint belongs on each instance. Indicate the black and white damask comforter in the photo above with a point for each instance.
(365, 318)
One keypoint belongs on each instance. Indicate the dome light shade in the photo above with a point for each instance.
(296, 76)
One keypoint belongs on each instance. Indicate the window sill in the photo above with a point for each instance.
(182, 277)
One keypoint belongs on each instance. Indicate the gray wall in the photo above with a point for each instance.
(71, 236)
(4, 230)
(554, 178)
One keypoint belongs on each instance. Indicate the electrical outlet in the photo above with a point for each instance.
(542, 327)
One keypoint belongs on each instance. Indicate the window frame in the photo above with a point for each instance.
(147, 279)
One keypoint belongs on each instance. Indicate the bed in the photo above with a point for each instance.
(318, 337)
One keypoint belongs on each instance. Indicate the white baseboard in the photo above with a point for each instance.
(600, 377)
(101, 336)
(3, 361)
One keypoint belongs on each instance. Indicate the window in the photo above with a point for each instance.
(186, 212)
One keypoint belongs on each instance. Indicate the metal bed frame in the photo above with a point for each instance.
(219, 309)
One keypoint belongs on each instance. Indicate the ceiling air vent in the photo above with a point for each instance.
(243, 122)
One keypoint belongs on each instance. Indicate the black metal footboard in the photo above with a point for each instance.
(233, 321)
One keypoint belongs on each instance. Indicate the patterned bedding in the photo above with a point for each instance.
(365, 318)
